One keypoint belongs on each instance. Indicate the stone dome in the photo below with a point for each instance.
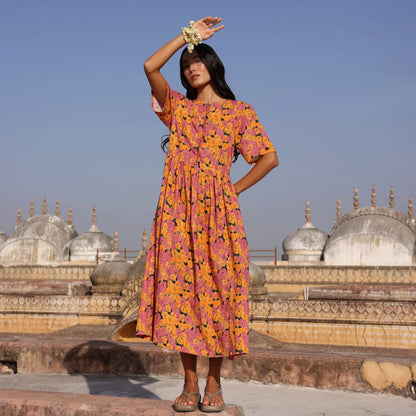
(257, 280)
(85, 246)
(377, 236)
(3, 238)
(109, 277)
(305, 244)
(38, 240)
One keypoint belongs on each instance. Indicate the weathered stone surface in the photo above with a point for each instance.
(402, 293)
(398, 375)
(290, 364)
(387, 373)
(37, 272)
(38, 240)
(109, 277)
(3, 238)
(43, 287)
(373, 374)
(20, 402)
(372, 236)
(305, 244)
(294, 278)
(85, 246)
(257, 279)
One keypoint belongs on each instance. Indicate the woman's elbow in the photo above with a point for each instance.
(273, 160)
(149, 66)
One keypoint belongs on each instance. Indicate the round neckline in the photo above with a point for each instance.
(213, 103)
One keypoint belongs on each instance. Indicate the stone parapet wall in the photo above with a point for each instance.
(327, 322)
(46, 313)
(298, 276)
(376, 312)
(61, 304)
(62, 272)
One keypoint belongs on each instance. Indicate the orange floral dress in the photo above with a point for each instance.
(194, 296)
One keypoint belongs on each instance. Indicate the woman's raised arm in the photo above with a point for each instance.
(152, 66)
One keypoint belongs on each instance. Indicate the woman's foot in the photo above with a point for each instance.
(212, 401)
(189, 396)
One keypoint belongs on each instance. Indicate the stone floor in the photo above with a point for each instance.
(255, 399)
(302, 380)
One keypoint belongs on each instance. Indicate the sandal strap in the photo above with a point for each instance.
(211, 395)
(192, 393)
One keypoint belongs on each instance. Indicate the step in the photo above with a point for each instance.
(346, 368)
(30, 403)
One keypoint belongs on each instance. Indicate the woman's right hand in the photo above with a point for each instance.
(205, 26)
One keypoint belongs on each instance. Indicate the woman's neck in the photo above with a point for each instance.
(207, 95)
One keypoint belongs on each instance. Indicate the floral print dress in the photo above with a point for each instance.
(194, 296)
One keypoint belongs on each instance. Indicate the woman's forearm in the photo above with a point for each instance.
(262, 167)
(153, 65)
(160, 57)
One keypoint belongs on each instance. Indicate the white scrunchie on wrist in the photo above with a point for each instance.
(191, 36)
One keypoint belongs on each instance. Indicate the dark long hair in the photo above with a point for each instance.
(216, 71)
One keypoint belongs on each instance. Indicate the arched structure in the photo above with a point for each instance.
(38, 240)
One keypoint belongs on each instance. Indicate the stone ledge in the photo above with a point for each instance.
(21, 403)
(325, 367)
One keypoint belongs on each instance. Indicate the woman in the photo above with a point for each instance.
(195, 288)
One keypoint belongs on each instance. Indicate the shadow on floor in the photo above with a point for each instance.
(105, 363)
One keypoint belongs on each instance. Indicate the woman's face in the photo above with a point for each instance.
(194, 70)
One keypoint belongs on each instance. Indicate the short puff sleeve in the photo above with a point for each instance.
(251, 140)
(166, 110)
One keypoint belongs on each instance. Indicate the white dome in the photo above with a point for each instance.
(3, 238)
(305, 244)
(378, 236)
(38, 240)
(85, 246)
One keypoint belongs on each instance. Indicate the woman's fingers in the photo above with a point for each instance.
(216, 29)
(206, 27)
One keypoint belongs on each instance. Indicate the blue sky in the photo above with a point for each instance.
(333, 82)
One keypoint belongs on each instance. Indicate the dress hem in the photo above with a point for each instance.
(178, 349)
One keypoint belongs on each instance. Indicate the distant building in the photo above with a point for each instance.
(48, 239)
(368, 236)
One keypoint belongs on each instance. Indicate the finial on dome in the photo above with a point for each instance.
(356, 204)
(57, 208)
(19, 216)
(32, 208)
(94, 227)
(373, 196)
(308, 212)
(115, 244)
(144, 240)
(392, 198)
(44, 208)
(70, 216)
(410, 207)
(339, 214)
(94, 216)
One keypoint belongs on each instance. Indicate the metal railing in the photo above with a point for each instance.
(264, 255)
(126, 254)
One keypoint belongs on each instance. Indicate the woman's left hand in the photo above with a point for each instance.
(205, 26)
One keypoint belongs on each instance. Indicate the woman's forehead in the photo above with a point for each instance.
(188, 57)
